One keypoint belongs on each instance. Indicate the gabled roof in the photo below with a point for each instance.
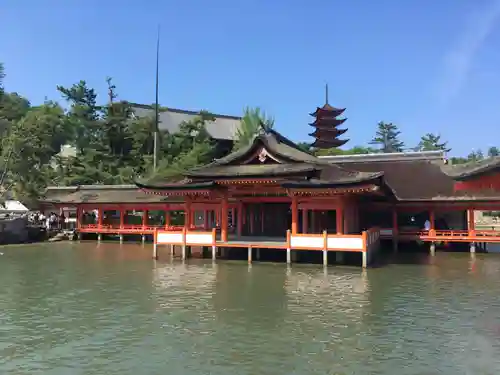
(223, 128)
(287, 161)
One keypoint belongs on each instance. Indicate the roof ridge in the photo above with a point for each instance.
(184, 111)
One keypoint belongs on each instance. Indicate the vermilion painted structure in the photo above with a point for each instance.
(272, 195)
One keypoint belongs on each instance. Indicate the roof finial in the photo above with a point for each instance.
(326, 93)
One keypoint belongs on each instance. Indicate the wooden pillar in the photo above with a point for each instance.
(305, 221)
(233, 218)
(187, 214)
(167, 218)
(432, 219)
(224, 218)
(251, 220)
(205, 219)
(79, 216)
(395, 230)
(239, 221)
(339, 218)
(295, 215)
(122, 217)
(144, 218)
(100, 212)
(262, 219)
(471, 225)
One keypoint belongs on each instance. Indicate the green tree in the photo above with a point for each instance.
(304, 146)
(493, 152)
(192, 146)
(253, 119)
(2, 76)
(475, 156)
(387, 138)
(432, 142)
(28, 149)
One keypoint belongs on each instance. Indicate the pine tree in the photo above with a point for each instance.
(432, 142)
(387, 138)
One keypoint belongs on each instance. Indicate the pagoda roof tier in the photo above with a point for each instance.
(327, 111)
(322, 143)
(325, 134)
(328, 122)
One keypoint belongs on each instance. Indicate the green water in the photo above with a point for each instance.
(83, 309)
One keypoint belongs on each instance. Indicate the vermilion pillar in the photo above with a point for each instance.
(305, 221)
(432, 219)
(122, 217)
(167, 218)
(471, 225)
(144, 218)
(100, 212)
(224, 217)
(205, 219)
(339, 218)
(187, 214)
(239, 221)
(295, 215)
(79, 216)
(395, 230)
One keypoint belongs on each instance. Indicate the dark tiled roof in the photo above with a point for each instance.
(223, 127)
(410, 180)
(293, 162)
(472, 169)
(103, 194)
(251, 170)
(275, 143)
(420, 180)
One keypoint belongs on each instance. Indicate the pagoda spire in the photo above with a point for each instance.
(326, 122)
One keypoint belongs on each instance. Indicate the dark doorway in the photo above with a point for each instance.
(267, 219)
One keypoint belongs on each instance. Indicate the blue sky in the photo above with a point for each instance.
(426, 65)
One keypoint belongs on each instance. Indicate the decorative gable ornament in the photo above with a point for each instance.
(263, 155)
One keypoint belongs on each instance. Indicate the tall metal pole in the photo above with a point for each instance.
(157, 106)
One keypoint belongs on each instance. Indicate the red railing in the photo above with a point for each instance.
(449, 235)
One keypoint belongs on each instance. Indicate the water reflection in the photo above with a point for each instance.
(111, 309)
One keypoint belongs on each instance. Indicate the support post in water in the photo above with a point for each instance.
(214, 247)
(155, 245)
(184, 234)
(325, 248)
(288, 249)
(249, 254)
(472, 247)
(433, 248)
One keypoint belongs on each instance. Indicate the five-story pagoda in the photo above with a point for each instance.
(326, 122)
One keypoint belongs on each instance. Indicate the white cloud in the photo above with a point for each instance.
(458, 60)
